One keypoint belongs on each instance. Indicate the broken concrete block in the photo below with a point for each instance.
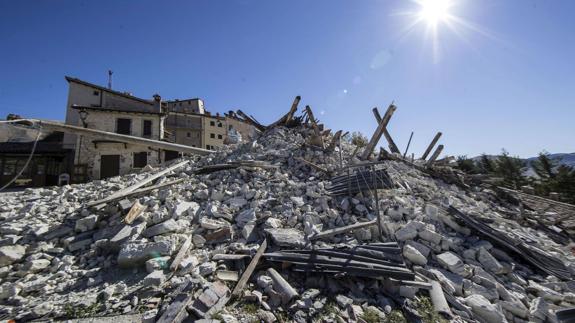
(158, 263)
(287, 237)
(408, 232)
(538, 310)
(37, 265)
(489, 262)
(484, 309)
(170, 225)
(86, 224)
(451, 261)
(155, 278)
(184, 208)
(136, 253)
(430, 236)
(414, 255)
(128, 232)
(11, 254)
(245, 217)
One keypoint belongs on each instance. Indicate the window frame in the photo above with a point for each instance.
(140, 153)
(129, 128)
(144, 128)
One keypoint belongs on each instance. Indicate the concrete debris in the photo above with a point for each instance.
(296, 231)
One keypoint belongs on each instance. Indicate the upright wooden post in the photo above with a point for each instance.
(431, 145)
(378, 132)
(408, 143)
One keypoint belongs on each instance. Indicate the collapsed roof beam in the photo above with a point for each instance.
(391, 143)
(431, 145)
(105, 135)
(378, 132)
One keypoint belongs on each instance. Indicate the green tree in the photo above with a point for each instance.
(358, 139)
(564, 183)
(467, 165)
(544, 166)
(510, 169)
(486, 165)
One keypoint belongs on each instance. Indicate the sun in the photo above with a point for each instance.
(434, 11)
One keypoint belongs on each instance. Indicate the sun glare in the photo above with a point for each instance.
(434, 11)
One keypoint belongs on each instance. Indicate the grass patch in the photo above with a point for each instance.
(428, 314)
(250, 308)
(370, 316)
(80, 311)
(396, 316)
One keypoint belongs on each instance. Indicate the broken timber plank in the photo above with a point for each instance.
(126, 191)
(181, 254)
(148, 189)
(176, 311)
(431, 145)
(332, 232)
(408, 143)
(310, 115)
(293, 109)
(378, 132)
(134, 212)
(391, 143)
(435, 155)
(248, 272)
(105, 135)
(334, 141)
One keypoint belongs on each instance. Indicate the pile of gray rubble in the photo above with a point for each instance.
(262, 238)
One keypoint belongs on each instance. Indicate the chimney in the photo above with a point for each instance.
(157, 103)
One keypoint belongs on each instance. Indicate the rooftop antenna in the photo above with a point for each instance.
(110, 79)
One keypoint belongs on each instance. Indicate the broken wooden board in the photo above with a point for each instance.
(332, 232)
(134, 212)
(181, 254)
(236, 293)
(126, 191)
(431, 145)
(391, 144)
(367, 151)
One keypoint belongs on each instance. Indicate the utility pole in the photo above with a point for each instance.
(110, 79)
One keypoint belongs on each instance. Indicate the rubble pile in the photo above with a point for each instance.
(261, 238)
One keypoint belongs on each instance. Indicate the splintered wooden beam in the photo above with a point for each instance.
(293, 109)
(181, 254)
(313, 165)
(248, 272)
(435, 155)
(310, 115)
(408, 143)
(128, 190)
(378, 132)
(340, 230)
(391, 143)
(134, 212)
(334, 141)
(431, 145)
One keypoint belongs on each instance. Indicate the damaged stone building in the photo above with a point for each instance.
(183, 122)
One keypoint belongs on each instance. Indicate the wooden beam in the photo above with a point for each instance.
(391, 144)
(181, 254)
(128, 190)
(293, 109)
(408, 143)
(334, 141)
(431, 145)
(332, 232)
(313, 165)
(249, 270)
(310, 115)
(134, 212)
(435, 155)
(378, 132)
(105, 135)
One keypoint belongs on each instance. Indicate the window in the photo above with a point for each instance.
(140, 159)
(124, 126)
(188, 135)
(212, 123)
(212, 135)
(147, 132)
(219, 136)
(219, 124)
(96, 93)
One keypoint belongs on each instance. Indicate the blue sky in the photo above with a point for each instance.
(508, 81)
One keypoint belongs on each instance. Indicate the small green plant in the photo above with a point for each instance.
(80, 311)
(370, 316)
(250, 308)
(217, 316)
(428, 314)
(395, 317)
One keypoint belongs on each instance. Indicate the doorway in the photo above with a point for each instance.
(109, 166)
